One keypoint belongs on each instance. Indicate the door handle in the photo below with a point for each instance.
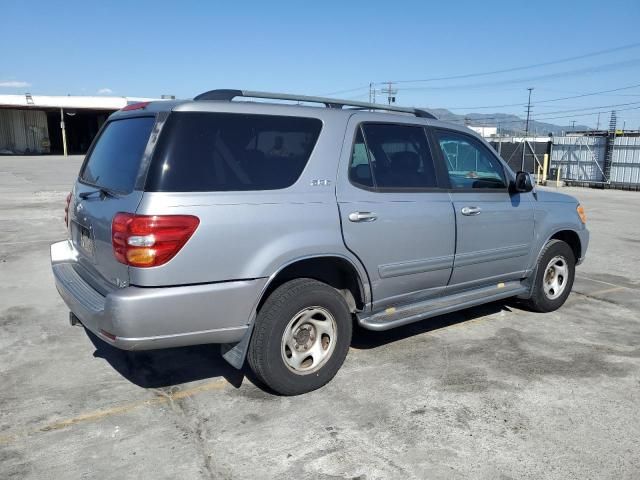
(470, 211)
(362, 216)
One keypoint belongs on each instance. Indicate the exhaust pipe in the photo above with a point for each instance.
(73, 320)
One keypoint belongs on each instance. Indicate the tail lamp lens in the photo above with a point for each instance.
(150, 240)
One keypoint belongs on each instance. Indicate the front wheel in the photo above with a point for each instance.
(554, 277)
(301, 337)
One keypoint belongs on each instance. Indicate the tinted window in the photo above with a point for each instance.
(359, 168)
(200, 151)
(398, 155)
(470, 164)
(115, 159)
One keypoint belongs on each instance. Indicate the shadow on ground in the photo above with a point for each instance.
(168, 366)
(174, 366)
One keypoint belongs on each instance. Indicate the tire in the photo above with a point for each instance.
(547, 296)
(301, 337)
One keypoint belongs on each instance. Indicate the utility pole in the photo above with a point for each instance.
(598, 124)
(526, 128)
(371, 94)
(573, 125)
(391, 93)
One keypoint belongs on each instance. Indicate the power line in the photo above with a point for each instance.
(525, 67)
(344, 91)
(587, 109)
(538, 119)
(494, 72)
(549, 100)
(595, 68)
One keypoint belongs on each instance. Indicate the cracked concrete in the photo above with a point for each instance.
(491, 392)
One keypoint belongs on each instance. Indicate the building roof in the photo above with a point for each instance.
(68, 101)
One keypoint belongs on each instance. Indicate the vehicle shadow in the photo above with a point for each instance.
(169, 366)
(366, 339)
(173, 366)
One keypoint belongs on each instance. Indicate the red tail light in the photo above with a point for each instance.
(66, 210)
(150, 240)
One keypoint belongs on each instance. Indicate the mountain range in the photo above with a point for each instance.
(508, 124)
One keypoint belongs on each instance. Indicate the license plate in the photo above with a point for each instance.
(86, 242)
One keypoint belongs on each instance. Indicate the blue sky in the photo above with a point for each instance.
(147, 48)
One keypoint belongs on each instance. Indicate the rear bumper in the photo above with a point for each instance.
(135, 318)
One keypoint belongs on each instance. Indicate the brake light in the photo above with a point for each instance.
(136, 106)
(150, 240)
(66, 210)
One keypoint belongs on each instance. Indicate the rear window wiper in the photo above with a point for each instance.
(104, 192)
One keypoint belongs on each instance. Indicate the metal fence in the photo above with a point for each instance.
(511, 152)
(581, 159)
(625, 163)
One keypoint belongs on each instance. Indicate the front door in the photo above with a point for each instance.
(494, 227)
(395, 216)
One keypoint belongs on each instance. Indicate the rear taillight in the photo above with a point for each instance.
(150, 240)
(66, 210)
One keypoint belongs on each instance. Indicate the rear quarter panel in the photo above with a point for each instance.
(252, 234)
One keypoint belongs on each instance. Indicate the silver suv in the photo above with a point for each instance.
(270, 227)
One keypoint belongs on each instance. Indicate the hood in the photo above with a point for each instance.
(547, 196)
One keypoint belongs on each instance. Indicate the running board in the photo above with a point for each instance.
(396, 317)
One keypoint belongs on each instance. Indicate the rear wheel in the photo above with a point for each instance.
(554, 277)
(301, 337)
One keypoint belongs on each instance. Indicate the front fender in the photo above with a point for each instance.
(551, 218)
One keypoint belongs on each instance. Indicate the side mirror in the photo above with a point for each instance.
(523, 183)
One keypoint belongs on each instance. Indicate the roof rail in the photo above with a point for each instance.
(228, 95)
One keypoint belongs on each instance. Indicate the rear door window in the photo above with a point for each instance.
(201, 151)
(392, 156)
(114, 161)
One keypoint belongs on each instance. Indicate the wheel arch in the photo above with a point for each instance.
(336, 270)
(571, 238)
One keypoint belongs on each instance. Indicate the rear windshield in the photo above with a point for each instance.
(115, 159)
(200, 151)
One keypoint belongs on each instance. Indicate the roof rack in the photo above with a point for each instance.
(228, 95)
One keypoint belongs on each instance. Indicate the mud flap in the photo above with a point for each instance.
(236, 353)
(528, 282)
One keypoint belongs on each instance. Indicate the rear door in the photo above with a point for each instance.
(107, 185)
(395, 217)
(494, 226)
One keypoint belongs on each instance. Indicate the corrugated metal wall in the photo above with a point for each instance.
(581, 158)
(625, 162)
(23, 131)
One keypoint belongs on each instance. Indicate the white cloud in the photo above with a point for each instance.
(14, 84)
(105, 91)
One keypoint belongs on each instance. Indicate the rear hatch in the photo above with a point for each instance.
(108, 183)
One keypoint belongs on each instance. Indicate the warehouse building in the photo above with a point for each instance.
(44, 124)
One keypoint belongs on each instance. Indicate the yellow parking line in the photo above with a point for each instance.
(582, 277)
(118, 410)
(608, 290)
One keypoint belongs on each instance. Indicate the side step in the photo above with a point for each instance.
(396, 317)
